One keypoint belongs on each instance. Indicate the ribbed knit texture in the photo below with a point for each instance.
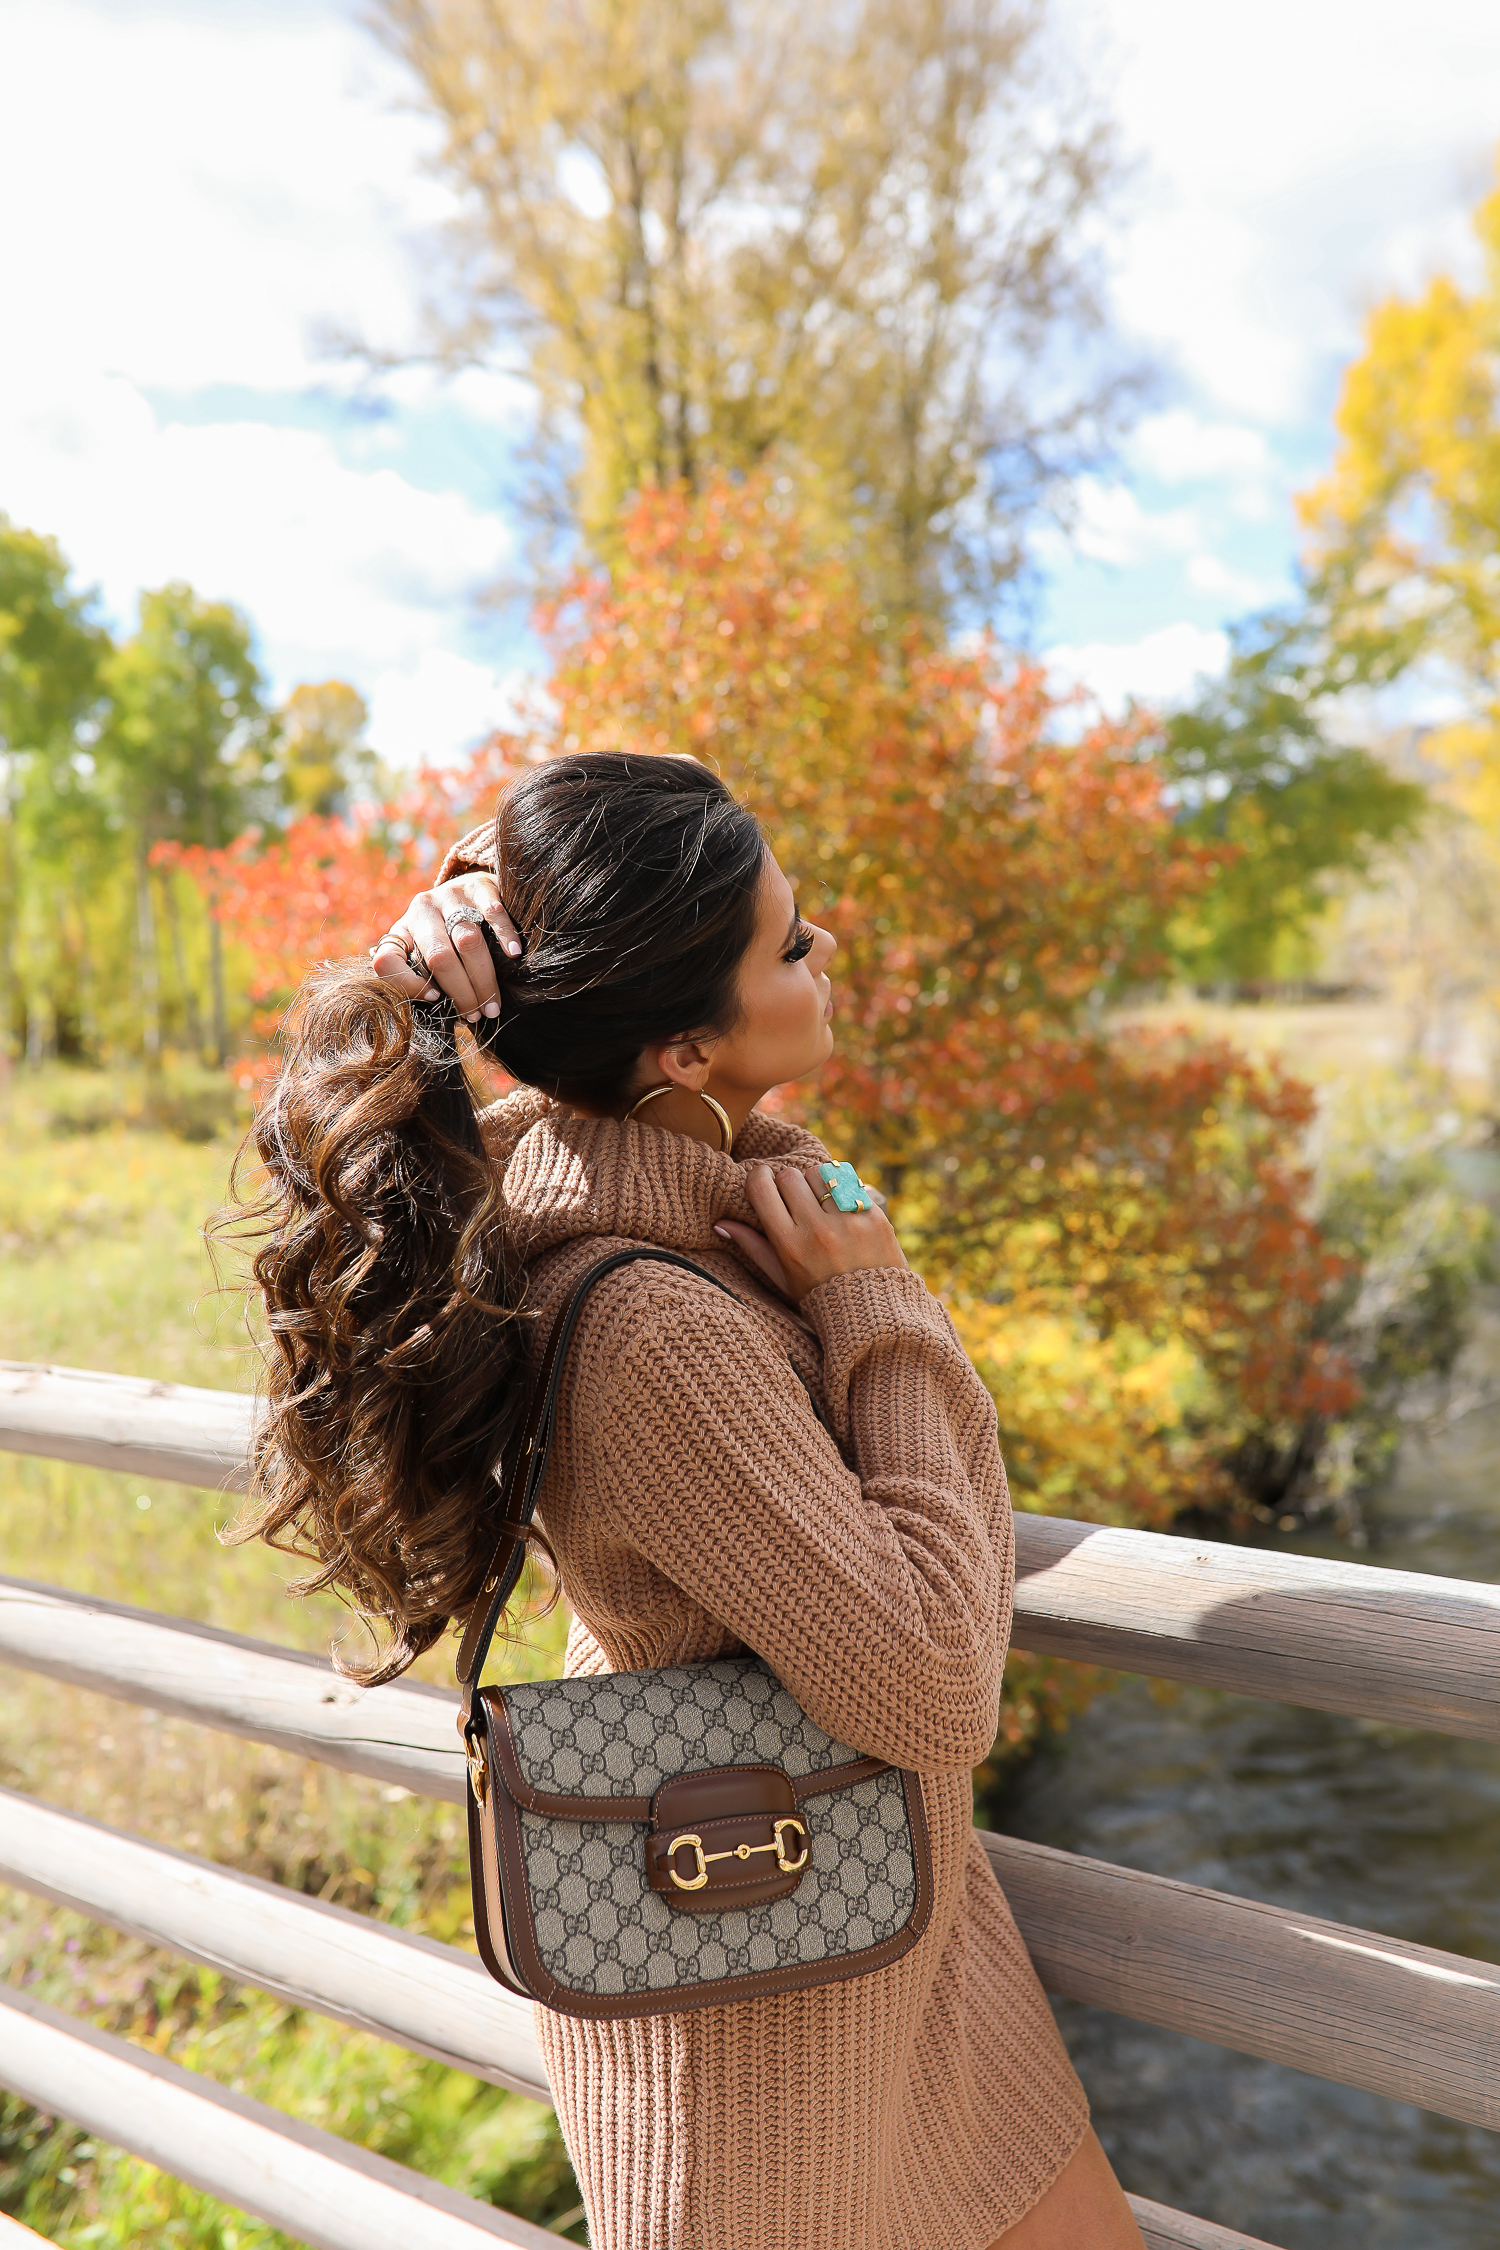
(696, 1507)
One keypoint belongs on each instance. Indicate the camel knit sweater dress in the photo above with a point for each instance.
(697, 1507)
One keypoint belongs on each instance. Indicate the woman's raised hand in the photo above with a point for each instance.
(457, 958)
(801, 1242)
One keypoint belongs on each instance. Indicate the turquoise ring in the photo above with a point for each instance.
(846, 1190)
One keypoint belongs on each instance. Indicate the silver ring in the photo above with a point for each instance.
(462, 917)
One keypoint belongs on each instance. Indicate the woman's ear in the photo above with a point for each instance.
(684, 1063)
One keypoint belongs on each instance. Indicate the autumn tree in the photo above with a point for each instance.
(52, 653)
(859, 242)
(1256, 764)
(996, 888)
(186, 753)
(322, 754)
(1404, 531)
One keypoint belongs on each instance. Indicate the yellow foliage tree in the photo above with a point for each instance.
(1404, 532)
(323, 754)
(710, 231)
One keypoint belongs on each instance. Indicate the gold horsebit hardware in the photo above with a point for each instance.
(479, 1771)
(738, 1851)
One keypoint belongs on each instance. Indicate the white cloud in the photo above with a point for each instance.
(1180, 447)
(431, 713)
(1111, 526)
(199, 195)
(1162, 668)
(1207, 574)
(1298, 160)
(203, 192)
(340, 569)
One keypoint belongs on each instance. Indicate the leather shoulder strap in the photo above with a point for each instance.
(530, 1464)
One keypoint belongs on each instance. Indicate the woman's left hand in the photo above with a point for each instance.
(458, 961)
(802, 1241)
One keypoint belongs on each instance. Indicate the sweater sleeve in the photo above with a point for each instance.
(879, 1594)
(474, 853)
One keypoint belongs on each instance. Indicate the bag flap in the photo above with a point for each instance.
(601, 1747)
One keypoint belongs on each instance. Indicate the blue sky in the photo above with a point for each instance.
(195, 189)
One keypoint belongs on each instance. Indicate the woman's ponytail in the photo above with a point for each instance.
(392, 1297)
(390, 1391)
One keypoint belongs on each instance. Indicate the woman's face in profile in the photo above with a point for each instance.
(785, 1029)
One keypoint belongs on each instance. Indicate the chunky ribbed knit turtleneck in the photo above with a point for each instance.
(696, 1506)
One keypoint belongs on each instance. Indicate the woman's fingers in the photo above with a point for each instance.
(811, 1240)
(455, 950)
(763, 1186)
(450, 972)
(390, 961)
(756, 1251)
(797, 1193)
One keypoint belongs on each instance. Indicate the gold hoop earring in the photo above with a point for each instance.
(726, 1130)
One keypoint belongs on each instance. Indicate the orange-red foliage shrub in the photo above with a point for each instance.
(1118, 1222)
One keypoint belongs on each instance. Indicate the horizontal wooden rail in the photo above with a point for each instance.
(324, 2191)
(430, 1998)
(13, 2236)
(126, 1422)
(1336, 1636)
(1175, 2230)
(402, 1734)
(1352, 2005)
(1347, 2004)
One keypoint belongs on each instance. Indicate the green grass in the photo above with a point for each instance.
(102, 1266)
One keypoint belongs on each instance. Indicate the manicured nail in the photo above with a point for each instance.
(724, 1231)
(474, 1018)
(512, 946)
(492, 1007)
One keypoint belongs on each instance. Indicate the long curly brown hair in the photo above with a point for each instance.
(394, 1298)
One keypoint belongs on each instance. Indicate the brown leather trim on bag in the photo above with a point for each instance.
(504, 1817)
(489, 1903)
(839, 1777)
(559, 1805)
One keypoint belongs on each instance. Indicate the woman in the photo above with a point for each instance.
(655, 981)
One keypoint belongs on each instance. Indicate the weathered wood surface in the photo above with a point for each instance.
(402, 1734)
(1343, 2003)
(428, 1997)
(13, 2236)
(321, 2190)
(329, 2193)
(126, 1422)
(1336, 1636)
(1365, 2010)
(1175, 2230)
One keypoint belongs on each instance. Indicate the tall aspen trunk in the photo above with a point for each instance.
(145, 930)
(190, 1007)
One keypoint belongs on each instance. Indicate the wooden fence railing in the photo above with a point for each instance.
(1348, 2004)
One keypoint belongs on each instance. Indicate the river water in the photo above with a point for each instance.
(1366, 1823)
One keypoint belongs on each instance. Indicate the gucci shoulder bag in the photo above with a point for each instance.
(642, 1843)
